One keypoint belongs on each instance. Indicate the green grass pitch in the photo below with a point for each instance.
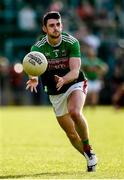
(32, 145)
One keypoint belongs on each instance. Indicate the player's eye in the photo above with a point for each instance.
(58, 24)
(51, 25)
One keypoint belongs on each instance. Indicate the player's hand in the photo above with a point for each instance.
(32, 84)
(59, 82)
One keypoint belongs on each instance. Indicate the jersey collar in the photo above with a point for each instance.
(56, 44)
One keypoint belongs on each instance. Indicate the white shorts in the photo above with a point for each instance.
(59, 102)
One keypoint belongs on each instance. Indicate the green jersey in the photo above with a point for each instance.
(58, 61)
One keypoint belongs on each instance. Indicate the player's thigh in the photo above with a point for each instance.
(76, 100)
(66, 123)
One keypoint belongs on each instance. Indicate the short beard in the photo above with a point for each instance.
(55, 37)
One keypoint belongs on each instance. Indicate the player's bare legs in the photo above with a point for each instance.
(68, 126)
(75, 104)
(74, 124)
(76, 128)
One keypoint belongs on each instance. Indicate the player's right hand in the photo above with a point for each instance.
(59, 82)
(32, 84)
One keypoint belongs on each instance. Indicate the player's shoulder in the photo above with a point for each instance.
(41, 40)
(68, 38)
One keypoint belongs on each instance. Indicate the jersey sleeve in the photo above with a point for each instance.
(75, 50)
(34, 48)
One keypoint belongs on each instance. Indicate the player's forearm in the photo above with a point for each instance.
(71, 76)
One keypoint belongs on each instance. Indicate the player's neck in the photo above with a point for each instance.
(54, 41)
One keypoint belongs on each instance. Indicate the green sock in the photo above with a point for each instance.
(86, 145)
(86, 142)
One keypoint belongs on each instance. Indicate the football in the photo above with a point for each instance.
(35, 63)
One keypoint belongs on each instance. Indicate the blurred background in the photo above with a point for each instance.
(97, 24)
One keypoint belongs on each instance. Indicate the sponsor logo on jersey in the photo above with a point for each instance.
(61, 63)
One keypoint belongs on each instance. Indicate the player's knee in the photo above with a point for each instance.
(75, 114)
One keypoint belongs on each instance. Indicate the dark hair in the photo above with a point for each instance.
(51, 15)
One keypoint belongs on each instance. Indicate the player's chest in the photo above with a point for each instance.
(53, 53)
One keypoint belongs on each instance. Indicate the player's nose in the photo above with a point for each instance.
(56, 27)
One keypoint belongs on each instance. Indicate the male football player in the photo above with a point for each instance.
(65, 84)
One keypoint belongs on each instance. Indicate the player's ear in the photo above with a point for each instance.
(44, 28)
(61, 26)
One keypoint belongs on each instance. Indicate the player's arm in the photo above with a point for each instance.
(74, 65)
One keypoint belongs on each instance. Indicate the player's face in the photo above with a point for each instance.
(53, 28)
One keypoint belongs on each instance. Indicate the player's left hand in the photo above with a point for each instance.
(59, 82)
